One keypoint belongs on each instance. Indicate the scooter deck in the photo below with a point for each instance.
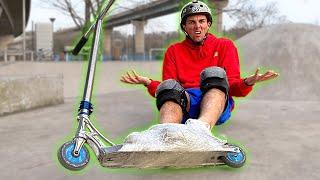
(112, 158)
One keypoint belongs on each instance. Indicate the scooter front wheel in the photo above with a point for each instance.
(234, 159)
(69, 160)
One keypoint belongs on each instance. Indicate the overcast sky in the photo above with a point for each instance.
(302, 11)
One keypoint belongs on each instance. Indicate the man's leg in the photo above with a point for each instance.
(212, 106)
(214, 86)
(172, 101)
(170, 112)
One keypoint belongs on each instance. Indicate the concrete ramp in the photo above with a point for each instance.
(20, 93)
(291, 49)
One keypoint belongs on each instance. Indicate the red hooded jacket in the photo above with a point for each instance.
(184, 62)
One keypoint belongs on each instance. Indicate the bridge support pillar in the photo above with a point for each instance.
(139, 39)
(107, 43)
(219, 5)
(5, 40)
(0, 11)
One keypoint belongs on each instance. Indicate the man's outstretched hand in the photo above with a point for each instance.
(134, 78)
(251, 80)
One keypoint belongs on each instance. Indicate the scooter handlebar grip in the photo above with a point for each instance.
(79, 46)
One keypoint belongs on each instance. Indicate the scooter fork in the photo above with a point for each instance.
(92, 136)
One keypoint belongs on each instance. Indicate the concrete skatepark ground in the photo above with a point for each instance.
(281, 139)
(280, 136)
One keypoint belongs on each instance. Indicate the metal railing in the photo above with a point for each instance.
(153, 50)
(15, 55)
(44, 55)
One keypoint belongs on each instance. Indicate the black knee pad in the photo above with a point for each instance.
(214, 77)
(171, 90)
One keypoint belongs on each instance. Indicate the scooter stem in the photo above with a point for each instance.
(92, 62)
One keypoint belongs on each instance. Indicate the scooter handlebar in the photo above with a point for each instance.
(79, 46)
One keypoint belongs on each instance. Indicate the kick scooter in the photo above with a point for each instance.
(73, 155)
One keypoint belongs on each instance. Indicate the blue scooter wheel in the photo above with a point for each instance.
(235, 160)
(71, 162)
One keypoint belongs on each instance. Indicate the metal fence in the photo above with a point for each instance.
(18, 55)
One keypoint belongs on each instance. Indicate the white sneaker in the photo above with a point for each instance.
(199, 126)
(203, 128)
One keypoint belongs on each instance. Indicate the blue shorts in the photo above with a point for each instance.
(195, 95)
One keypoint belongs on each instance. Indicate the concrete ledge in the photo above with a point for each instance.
(20, 93)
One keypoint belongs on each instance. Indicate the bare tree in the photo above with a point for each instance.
(248, 15)
(79, 11)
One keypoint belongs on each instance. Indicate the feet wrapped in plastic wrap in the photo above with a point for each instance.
(195, 135)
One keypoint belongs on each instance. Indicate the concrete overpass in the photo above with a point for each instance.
(143, 12)
(11, 19)
(139, 15)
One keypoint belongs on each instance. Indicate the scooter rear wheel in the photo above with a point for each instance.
(70, 161)
(235, 160)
